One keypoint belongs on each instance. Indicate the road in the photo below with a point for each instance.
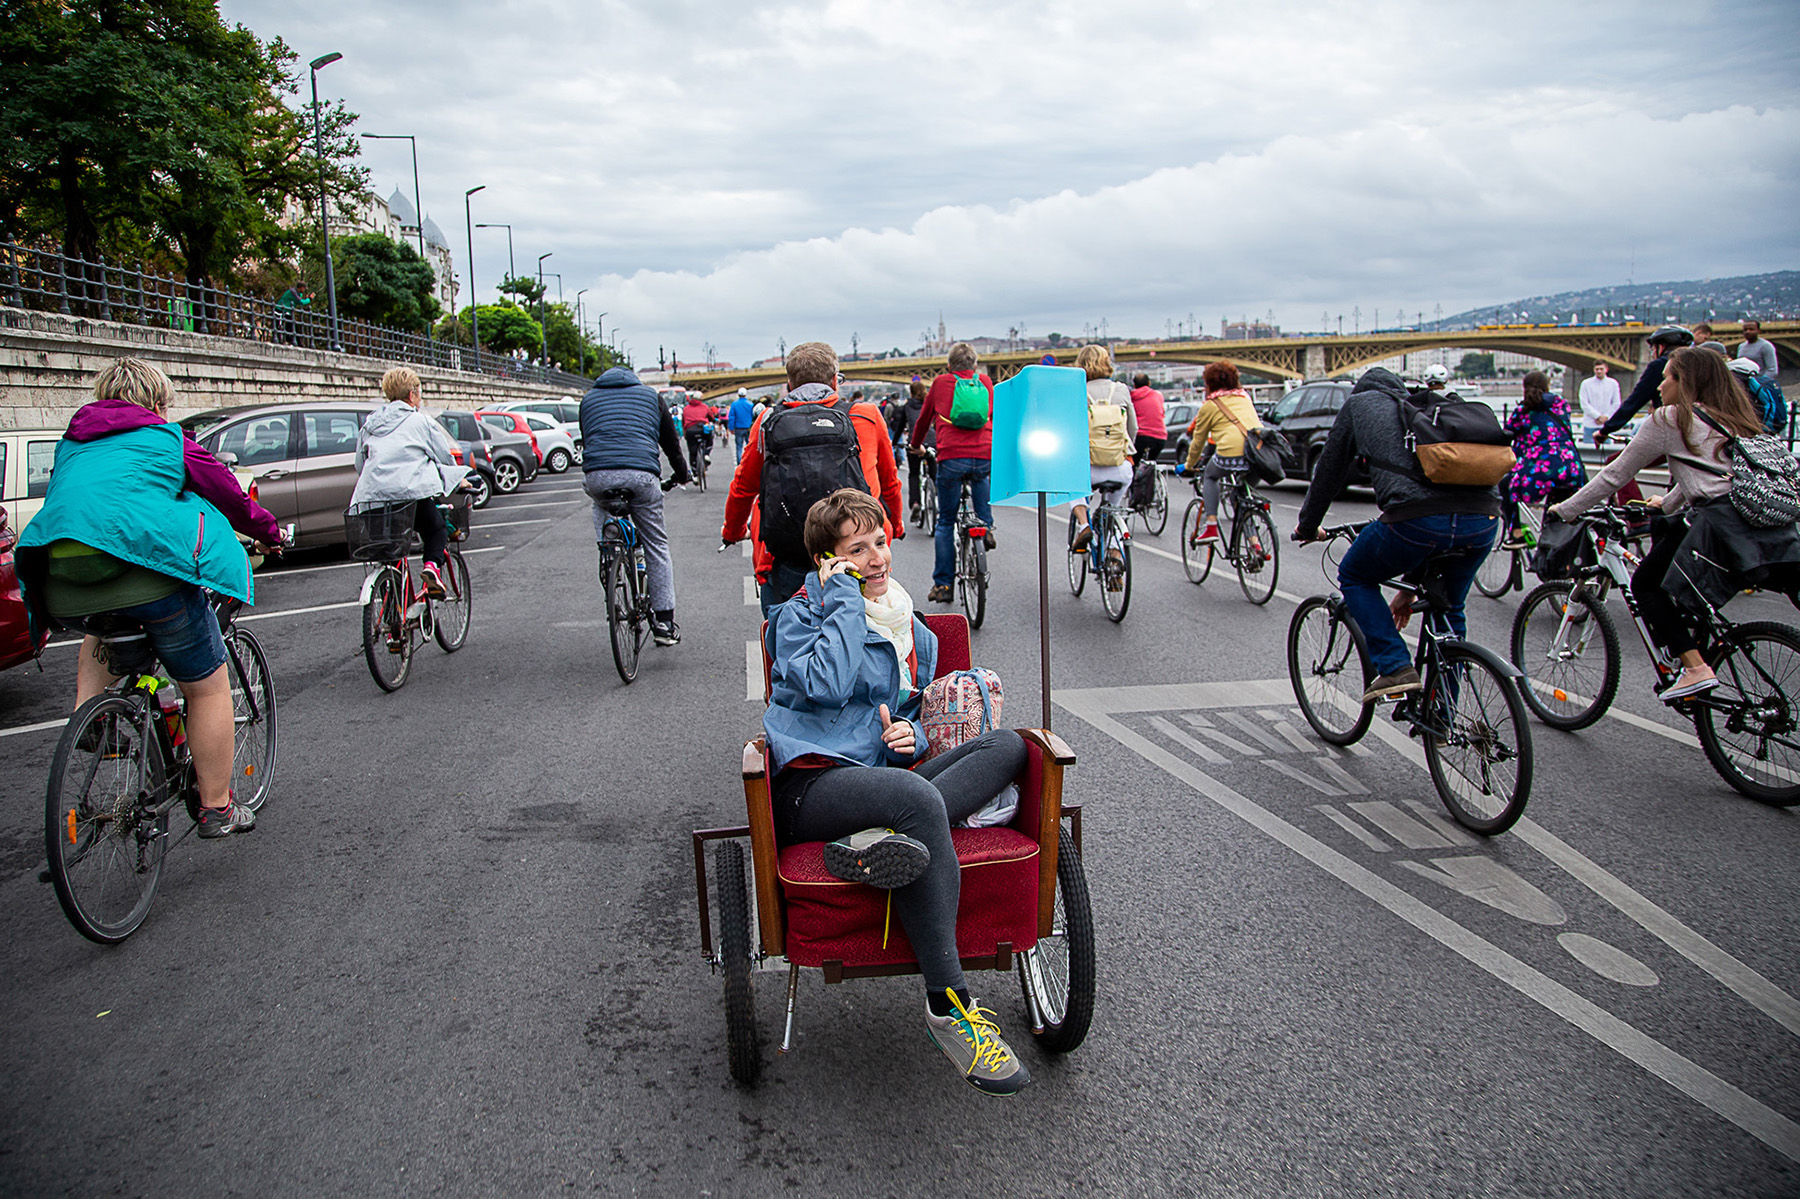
(460, 953)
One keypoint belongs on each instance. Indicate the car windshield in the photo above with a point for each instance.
(1286, 407)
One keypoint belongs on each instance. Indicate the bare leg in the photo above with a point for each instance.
(91, 675)
(210, 733)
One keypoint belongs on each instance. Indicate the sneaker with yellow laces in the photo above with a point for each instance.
(972, 1041)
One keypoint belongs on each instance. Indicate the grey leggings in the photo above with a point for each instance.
(647, 514)
(822, 805)
(1217, 467)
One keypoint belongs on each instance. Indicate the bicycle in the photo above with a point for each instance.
(928, 495)
(397, 614)
(1565, 641)
(971, 559)
(624, 581)
(702, 455)
(1155, 511)
(1251, 544)
(1468, 711)
(1108, 552)
(121, 767)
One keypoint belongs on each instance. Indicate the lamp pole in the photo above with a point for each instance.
(581, 329)
(418, 207)
(599, 324)
(325, 60)
(474, 316)
(543, 314)
(512, 271)
(559, 303)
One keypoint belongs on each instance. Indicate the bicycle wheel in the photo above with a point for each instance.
(1077, 561)
(928, 501)
(1498, 573)
(1156, 519)
(1258, 554)
(1477, 742)
(105, 850)
(700, 475)
(1569, 650)
(972, 580)
(1196, 559)
(621, 614)
(1329, 668)
(253, 718)
(453, 610)
(1115, 589)
(1748, 725)
(387, 644)
(743, 1047)
(1058, 974)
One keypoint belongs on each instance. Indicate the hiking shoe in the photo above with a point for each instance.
(665, 632)
(1679, 690)
(940, 595)
(1083, 536)
(972, 1041)
(234, 817)
(434, 583)
(879, 857)
(1398, 683)
(989, 540)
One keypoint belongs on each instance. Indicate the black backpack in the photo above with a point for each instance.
(809, 451)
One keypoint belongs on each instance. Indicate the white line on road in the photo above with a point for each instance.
(543, 504)
(307, 570)
(750, 593)
(501, 524)
(34, 728)
(752, 670)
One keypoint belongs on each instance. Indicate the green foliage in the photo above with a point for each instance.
(1056, 339)
(504, 328)
(384, 281)
(1476, 366)
(529, 290)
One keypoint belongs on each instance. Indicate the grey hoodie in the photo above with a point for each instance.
(402, 454)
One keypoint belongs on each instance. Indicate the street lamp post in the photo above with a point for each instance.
(474, 316)
(581, 330)
(556, 275)
(419, 210)
(543, 313)
(317, 64)
(512, 272)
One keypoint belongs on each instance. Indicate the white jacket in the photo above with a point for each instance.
(402, 454)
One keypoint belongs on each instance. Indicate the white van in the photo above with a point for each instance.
(26, 456)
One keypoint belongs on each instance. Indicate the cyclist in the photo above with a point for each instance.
(1225, 417)
(1549, 463)
(124, 532)
(846, 676)
(1419, 518)
(1647, 390)
(1112, 431)
(1695, 386)
(697, 417)
(402, 454)
(622, 424)
(965, 450)
(1152, 413)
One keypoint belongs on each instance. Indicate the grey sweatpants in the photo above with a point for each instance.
(822, 805)
(647, 514)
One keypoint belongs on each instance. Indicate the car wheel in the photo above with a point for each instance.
(557, 462)
(483, 493)
(507, 476)
(578, 453)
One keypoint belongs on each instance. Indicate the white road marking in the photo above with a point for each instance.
(752, 670)
(750, 592)
(1206, 753)
(1263, 735)
(34, 728)
(1350, 826)
(1301, 777)
(1691, 1079)
(1487, 881)
(306, 570)
(536, 504)
(1606, 960)
(749, 548)
(1398, 825)
(502, 524)
(1213, 734)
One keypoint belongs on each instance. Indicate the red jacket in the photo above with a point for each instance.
(953, 442)
(742, 512)
(696, 413)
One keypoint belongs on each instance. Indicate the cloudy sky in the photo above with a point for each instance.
(737, 173)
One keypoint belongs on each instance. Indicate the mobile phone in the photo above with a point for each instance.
(852, 572)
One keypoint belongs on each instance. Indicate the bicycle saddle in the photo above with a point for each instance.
(616, 500)
(1108, 487)
(1431, 586)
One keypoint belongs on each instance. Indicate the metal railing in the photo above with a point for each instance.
(46, 281)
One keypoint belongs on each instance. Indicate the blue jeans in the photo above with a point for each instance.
(1383, 551)
(950, 476)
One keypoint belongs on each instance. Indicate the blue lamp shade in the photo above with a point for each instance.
(1041, 436)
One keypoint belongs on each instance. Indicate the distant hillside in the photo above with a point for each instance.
(1766, 296)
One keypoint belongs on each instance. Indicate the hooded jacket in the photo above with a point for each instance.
(829, 674)
(1369, 424)
(623, 422)
(1152, 414)
(934, 418)
(398, 452)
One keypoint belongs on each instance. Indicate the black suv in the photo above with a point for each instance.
(1305, 416)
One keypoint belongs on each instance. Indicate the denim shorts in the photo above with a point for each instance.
(183, 635)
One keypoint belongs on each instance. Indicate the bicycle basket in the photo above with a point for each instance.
(460, 516)
(380, 534)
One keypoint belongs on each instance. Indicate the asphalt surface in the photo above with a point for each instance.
(460, 954)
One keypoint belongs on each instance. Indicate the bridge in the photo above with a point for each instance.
(1576, 347)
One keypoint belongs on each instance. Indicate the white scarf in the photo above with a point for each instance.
(892, 617)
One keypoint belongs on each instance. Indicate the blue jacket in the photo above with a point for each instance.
(741, 415)
(829, 675)
(622, 422)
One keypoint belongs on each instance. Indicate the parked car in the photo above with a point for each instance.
(300, 459)
(26, 456)
(1305, 416)
(550, 435)
(556, 450)
(506, 460)
(16, 642)
(1177, 415)
(565, 412)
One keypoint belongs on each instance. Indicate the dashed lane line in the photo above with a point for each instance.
(502, 524)
(752, 670)
(751, 598)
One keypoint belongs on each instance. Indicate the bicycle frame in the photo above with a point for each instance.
(1104, 517)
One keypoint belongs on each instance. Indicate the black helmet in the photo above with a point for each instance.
(1671, 335)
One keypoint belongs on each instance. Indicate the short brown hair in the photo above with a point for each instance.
(133, 379)
(1702, 331)
(400, 383)
(917, 389)
(812, 362)
(825, 519)
(1096, 360)
(1220, 376)
(962, 357)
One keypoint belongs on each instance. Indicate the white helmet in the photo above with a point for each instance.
(744, 392)
(1746, 366)
(1437, 374)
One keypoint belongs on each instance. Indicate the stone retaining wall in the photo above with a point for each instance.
(48, 363)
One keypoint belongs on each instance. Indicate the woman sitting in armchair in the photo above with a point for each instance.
(849, 661)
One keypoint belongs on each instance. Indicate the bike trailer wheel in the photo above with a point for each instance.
(1057, 975)
(743, 1043)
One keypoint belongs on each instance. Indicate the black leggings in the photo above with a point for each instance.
(1672, 627)
(428, 519)
(821, 805)
(1148, 448)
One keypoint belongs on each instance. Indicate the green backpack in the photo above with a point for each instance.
(969, 403)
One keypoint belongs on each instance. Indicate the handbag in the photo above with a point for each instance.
(1260, 452)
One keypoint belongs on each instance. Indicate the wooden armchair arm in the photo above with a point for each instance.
(1051, 744)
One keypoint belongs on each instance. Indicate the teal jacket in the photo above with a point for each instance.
(124, 494)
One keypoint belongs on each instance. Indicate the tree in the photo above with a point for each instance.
(504, 328)
(381, 280)
(529, 290)
(1476, 366)
(1056, 339)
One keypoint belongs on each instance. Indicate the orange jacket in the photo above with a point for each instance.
(877, 466)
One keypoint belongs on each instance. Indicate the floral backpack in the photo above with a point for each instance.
(959, 707)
